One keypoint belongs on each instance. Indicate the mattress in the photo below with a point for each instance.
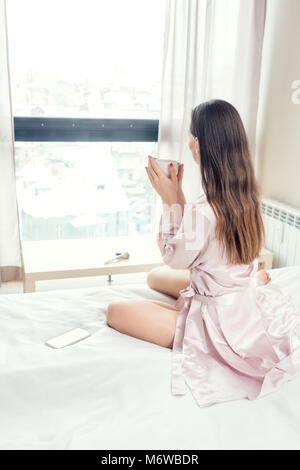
(112, 391)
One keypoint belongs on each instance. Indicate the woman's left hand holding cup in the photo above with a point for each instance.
(166, 187)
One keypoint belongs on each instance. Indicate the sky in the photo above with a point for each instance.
(95, 39)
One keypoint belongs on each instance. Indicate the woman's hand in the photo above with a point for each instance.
(179, 178)
(180, 195)
(167, 188)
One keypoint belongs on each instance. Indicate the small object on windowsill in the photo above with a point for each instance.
(121, 257)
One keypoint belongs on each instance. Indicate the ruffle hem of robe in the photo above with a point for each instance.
(242, 344)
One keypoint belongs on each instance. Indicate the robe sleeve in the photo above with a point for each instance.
(183, 239)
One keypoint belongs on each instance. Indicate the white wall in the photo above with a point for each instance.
(278, 128)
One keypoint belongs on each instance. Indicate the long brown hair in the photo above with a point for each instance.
(228, 180)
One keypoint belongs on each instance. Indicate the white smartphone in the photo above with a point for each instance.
(68, 338)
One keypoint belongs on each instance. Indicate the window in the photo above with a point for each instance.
(81, 189)
(99, 59)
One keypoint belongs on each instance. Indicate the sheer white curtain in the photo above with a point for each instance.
(212, 49)
(11, 260)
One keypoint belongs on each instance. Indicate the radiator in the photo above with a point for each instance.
(282, 226)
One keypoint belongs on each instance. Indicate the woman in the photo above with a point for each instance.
(230, 337)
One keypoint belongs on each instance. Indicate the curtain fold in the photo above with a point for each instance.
(11, 259)
(212, 50)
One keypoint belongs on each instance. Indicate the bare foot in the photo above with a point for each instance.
(263, 276)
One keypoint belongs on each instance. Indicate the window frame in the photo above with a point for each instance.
(53, 129)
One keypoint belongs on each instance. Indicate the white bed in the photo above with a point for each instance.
(112, 391)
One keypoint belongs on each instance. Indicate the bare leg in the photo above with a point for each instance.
(168, 281)
(149, 320)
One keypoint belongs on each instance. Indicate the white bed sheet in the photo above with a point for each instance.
(112, 391)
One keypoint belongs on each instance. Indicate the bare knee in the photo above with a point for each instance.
(155, 277)
(113, 313)
(151, 278)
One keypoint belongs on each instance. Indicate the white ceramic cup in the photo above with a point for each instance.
(164, 165)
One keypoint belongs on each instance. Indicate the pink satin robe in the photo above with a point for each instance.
(234, 337)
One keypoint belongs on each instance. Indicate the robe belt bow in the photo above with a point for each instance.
(223, 299)
(253, 345)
